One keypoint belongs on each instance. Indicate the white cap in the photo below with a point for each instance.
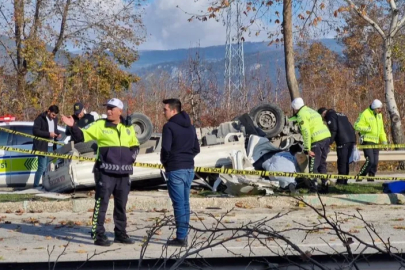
(115, 102)
(297, 103)
(376, 104)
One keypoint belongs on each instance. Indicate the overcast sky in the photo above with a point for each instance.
(167, 26)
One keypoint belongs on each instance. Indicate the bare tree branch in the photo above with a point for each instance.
(36, 21)
(9, 55)
(59, 256)
(96, 254)
(367, 18)
(62, 28)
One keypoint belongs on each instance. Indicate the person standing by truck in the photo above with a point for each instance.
(370, 125)
(316, 138)
(45, 126)
(118, 148)
(179, 147)
(342, 132)
(80, 117)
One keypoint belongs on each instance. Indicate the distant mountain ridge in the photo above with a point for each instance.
(267, 60)
(153, 57)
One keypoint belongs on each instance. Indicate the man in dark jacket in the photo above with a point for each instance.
(45, 126)
(342, 132)
(179, 147)
(81, 119)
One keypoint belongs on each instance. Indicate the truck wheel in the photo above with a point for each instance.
(143, 127)
(269, 118)
(86, 147)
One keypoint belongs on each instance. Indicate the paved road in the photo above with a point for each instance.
(28, 237)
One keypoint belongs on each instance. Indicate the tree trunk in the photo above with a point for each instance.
(21, 64)
(396, 126)
(21, 89)
(18, 32)
(289, 50)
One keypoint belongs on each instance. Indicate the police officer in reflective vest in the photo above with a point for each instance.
(117, 151)
(371, 128)
(316, 137)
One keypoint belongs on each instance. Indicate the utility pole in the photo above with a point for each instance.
(234, 77)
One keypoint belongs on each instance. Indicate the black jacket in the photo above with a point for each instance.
(340, 128)
(179, 143)
(81, 123)
(41, 129)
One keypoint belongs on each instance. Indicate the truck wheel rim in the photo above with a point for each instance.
(266, 120)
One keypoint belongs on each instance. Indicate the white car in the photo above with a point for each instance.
(17, 169)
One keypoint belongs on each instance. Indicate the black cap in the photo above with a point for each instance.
(78, 108)
(321, 110)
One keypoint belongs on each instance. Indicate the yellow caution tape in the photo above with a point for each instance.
(206, 170)
(29, 136)
(376, 146)
(381, 146)
(202, 169)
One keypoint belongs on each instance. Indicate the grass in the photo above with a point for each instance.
(357, 189)
(367, 188)
(22, 197)
(205, 193)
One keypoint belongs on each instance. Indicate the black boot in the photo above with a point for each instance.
(102, 241)
(313, 185)
(123, 238)
(341, 182)
(325, 187)
(177, 242)
(292, 189)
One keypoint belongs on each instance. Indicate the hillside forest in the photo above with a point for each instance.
(37, 70)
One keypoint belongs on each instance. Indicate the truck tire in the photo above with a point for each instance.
(269, 118)
(86, 147)
(143, 127)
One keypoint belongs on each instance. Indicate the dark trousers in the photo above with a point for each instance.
(119, 186)
(343, 154)
(370, 166)
(317, 164)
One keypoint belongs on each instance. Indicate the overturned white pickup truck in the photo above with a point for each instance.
(217, 145)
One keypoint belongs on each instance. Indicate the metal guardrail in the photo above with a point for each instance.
(384, 156)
